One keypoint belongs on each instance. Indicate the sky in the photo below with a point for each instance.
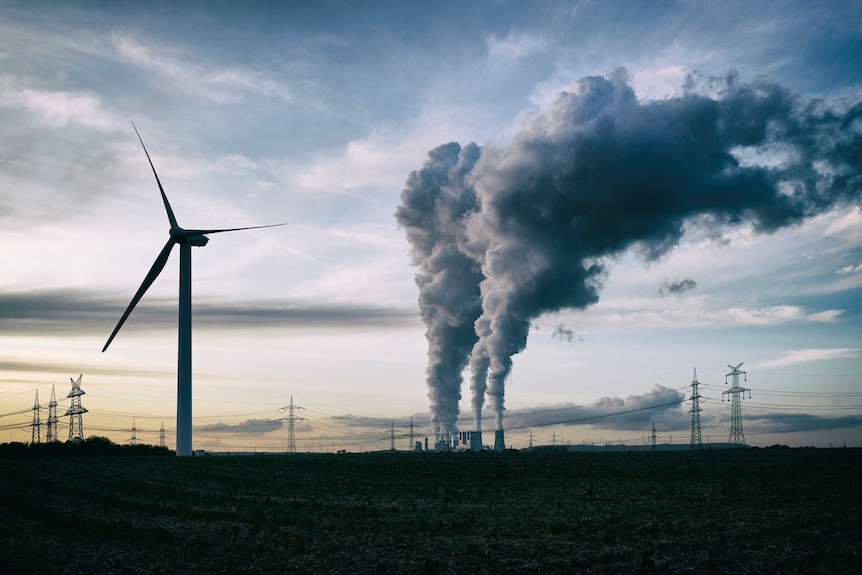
(323, 115)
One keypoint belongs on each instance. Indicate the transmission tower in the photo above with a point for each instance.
(36, 431)
(162, 435)
(392, 437)
(292, 419)
(696, 440)
(76, 425)
(134, 440)
(411, 435)
(653, 436)
(737, 437)
(53, 420)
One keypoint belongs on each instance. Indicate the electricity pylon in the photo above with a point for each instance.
(292, 419)
(76, 425)
(36, 432)
(696, 440)
(53, 420)
(411, 435)
(737, 437)
(162, 435)
(653, 437)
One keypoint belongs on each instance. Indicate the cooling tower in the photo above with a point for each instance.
(499, 441)
(475, 441)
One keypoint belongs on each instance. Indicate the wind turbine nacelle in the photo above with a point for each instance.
(198, 241)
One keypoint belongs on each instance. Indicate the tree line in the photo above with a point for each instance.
(92, 446)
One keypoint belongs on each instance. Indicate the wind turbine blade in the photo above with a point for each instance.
(154, 272)
(204, 232)
(168, 209)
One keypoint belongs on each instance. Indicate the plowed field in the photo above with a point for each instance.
(743, 511)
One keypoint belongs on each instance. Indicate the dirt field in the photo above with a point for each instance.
(744, 511)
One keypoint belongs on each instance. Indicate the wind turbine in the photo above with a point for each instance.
(185, 239)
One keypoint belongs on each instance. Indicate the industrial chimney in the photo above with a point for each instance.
(499, 441)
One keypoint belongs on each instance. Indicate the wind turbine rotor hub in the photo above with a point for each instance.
(191, 237)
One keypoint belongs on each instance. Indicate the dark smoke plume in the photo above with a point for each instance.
(433, 209)
(676, 287)
(595, 173)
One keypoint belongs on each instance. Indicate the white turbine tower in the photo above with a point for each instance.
(186, 239)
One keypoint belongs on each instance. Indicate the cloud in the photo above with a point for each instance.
(806, 355)
(363, 163)
(80, 311)
(92, 369)
(633, 413)
(850, 269)
(514, 47)
(380, 158)
(677, 287)
(419, 420)
(57, 109)
(247, 427)
(57, 152)
(768, 423)
(661, 81)
(635, 313)
(219, 84)
(848, 227)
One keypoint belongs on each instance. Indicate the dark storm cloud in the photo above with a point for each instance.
(634, 413)
(676, 287)
(596, 172)
(249, 427)
(76, 311)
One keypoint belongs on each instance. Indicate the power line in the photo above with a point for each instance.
(19, 412)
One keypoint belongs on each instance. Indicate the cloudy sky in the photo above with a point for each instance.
(316, 115)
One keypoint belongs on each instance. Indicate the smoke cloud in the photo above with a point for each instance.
(433, 209)
(676, 287)
(507, 233)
